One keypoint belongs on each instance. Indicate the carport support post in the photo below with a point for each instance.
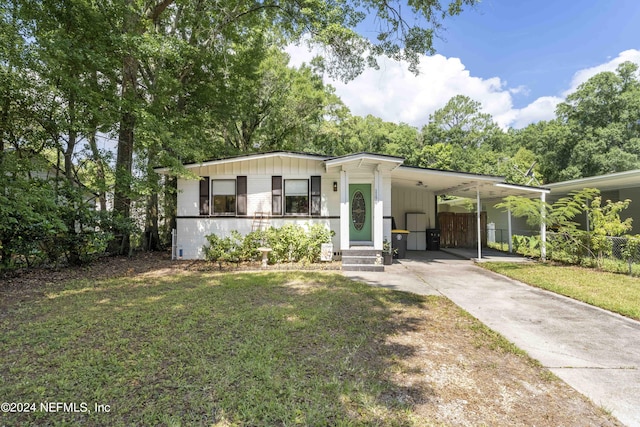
(543, 228)
(509, 230)
(479, 208)
(344, 210)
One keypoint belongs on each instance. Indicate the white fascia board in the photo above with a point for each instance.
(623, 179)
(243, 158)
(361, 157)
(523, 188)
(469, 176)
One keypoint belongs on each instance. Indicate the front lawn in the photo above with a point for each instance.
(614, 292)
(265, 349)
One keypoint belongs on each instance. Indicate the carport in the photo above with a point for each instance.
(415, 190)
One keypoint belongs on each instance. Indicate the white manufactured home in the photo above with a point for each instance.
(360, 197)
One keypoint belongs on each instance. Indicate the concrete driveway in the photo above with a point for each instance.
(594, 351)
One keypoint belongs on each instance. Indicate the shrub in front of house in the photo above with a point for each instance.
(290, 243)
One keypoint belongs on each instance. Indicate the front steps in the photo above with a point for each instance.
(362, 259)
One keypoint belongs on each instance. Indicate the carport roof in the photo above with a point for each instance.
(460, 184)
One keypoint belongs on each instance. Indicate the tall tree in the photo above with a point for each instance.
(267, 105)
(159, 64)
(603, 121)
(331, 24)
(472, 138)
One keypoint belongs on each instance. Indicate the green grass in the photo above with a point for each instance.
(206, 349)
(614, 292)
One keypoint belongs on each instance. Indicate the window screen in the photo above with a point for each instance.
(223, 192)
(296, 196)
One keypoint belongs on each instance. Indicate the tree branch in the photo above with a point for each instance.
(155, 12)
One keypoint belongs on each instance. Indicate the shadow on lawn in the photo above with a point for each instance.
(200, 349)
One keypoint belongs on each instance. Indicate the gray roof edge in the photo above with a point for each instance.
(634, 173)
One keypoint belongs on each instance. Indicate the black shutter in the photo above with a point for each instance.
(204, 195)
(316, 195)
(241, 195)
(276, 195)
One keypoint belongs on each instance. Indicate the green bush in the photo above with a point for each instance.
(290, 243)
(527, 245)
(224, 249)
(44, 221)
(250, 244)
(317, 235)
(631, 252)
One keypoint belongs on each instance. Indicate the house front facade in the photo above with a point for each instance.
(360, 197)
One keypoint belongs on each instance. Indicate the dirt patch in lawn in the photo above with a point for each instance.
(468, 375)
(447, 368)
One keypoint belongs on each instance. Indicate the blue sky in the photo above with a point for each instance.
(518, 58)
(541, 44)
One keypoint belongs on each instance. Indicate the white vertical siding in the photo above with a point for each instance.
(192, 232)
(405, 199)
(258, 194)
(264, 166)
(188, 197)
(387, 207)
(330, 198)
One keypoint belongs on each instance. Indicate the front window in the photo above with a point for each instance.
(296, 196)
(223, 192)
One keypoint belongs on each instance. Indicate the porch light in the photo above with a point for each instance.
(335, 186)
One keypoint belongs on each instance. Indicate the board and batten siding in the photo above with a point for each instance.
(192, 232)
(406, 199)
(192, 228)
(258, 173)
(263, 166)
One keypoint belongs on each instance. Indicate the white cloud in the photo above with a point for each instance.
(542, 108)
(396, 95)
(581, 76)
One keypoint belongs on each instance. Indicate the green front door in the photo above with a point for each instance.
(360, 212)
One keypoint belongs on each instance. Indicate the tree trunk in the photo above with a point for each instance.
(71, 143)
(124, 159)
(170, 205)
(72, 242)
(100, 174)
(151, 231)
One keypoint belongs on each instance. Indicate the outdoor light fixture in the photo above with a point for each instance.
(335, 186)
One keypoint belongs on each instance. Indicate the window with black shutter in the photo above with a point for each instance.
(296, 197)
(316, 195)
(224, 196)
(204, 195)
(241, 189)
(276, 195)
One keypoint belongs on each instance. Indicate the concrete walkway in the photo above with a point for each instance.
(594, 351)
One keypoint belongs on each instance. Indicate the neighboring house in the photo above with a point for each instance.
(615, 187)
(358, 196)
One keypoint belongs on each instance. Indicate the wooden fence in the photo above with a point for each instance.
(459, 230)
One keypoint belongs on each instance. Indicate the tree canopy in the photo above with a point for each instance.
(171, 81)
(177, 80)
